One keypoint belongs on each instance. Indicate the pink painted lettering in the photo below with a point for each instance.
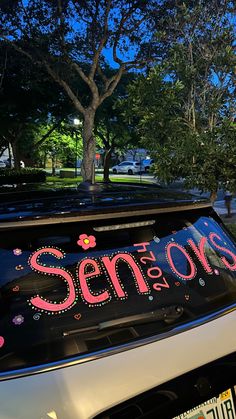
(151, 258)
(111, 267)
(154, 272)
(159, 285)
(83, 278)
(39, 302)
(232, 267)
(192, 266)
(143, 245)
(200, 253)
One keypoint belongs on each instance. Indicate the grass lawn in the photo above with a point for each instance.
(98, 178)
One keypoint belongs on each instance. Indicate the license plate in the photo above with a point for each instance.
(221, 407)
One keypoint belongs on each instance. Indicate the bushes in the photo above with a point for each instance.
(24, 175)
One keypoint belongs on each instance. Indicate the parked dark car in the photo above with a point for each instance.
(116, 302)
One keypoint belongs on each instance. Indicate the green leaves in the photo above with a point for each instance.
(185, 106)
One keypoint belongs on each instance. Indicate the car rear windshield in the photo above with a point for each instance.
(61, 283)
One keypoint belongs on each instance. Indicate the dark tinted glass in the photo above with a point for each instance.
(59, 282)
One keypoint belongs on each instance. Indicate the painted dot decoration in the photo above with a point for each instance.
(19, 268)
(81, 284)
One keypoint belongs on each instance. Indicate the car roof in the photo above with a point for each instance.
(41, 203)
(128, 161)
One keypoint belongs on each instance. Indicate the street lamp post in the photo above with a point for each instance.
(77, 124)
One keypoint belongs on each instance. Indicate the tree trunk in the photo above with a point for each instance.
(15, 153)
(44, 160)
(213, 197)
(106, 166)
(53, 165)
(10, 155)
(89, 146)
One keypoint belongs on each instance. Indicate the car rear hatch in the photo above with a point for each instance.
(87, 274)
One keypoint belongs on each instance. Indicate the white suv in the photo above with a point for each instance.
(115, 303)
(129, 167)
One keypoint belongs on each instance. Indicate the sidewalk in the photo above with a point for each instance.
(221, 210)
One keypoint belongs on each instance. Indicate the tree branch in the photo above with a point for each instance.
(91, 83)
(66, 87)
(102, 43)
(3, 70)
(19, 49)
(113, 84)
(61, 25)
(78, 10)
(121, 29)
(103, 138)
(50, 131)
(102, 75)
(26, 16)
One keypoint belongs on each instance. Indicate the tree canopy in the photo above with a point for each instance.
(28, 99)
(71, 39)
(186, 106)
(75, 57)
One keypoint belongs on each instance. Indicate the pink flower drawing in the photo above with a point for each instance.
(86, 241)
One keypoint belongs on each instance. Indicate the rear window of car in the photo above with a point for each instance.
(60, 283)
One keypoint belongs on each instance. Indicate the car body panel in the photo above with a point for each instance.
(84, 390)
(32, 202)
(85, 386)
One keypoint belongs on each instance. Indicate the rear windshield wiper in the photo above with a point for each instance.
(167, 314)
